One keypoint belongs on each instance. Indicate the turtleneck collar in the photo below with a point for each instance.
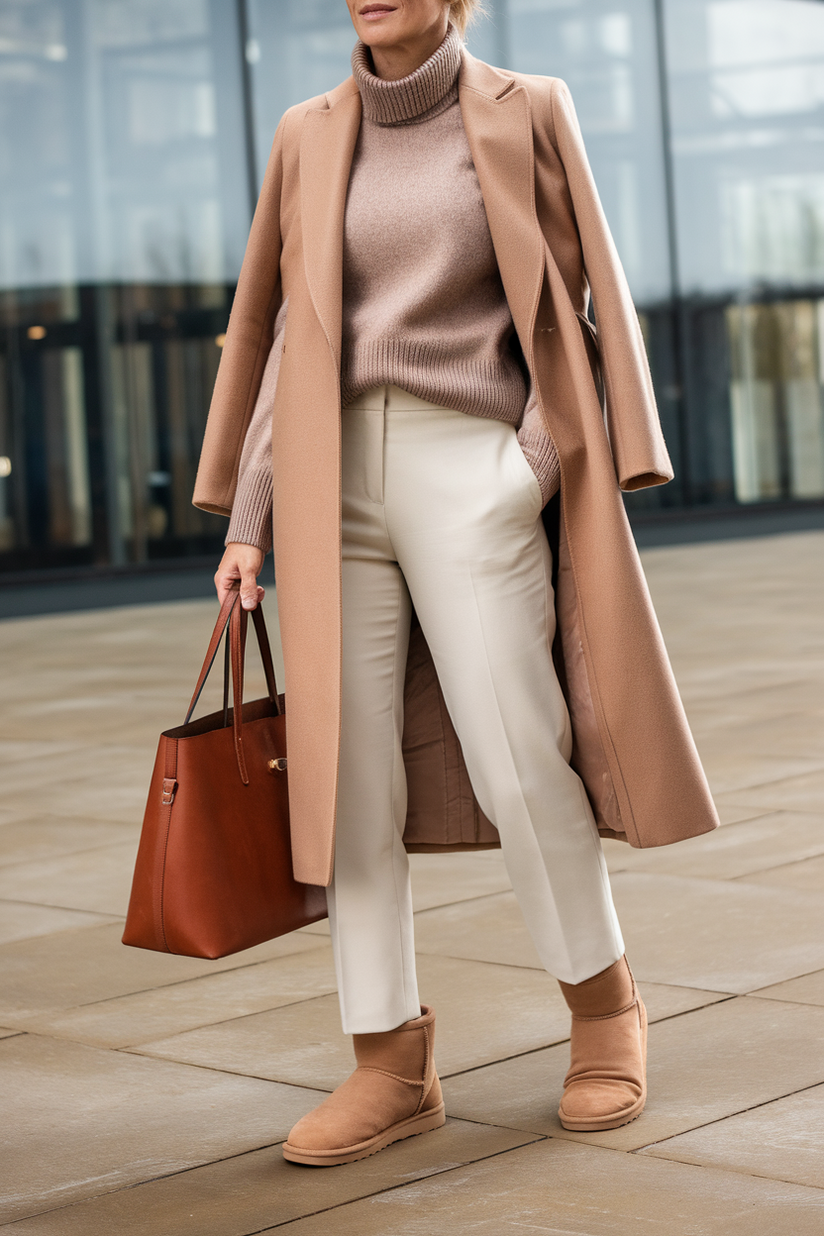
(424, 93)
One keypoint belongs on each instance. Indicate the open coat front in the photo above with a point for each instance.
(633, 748)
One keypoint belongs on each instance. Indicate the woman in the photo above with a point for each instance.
(409, 379)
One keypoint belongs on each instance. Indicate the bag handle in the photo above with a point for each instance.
(233, 621)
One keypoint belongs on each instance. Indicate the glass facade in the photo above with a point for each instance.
(134, 135)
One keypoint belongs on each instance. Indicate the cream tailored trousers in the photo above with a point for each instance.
(441, 511)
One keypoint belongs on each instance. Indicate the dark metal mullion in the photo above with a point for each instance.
(680, 333)
(248, 105)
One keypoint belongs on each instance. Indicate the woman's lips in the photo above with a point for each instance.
(373, 11)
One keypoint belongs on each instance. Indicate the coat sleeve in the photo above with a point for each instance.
(248, 343)
(251, 521)
(636, 440)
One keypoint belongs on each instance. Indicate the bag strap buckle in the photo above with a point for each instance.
(169, 788)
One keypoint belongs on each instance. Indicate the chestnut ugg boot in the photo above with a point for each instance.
(393, 1093)
(606, 1085)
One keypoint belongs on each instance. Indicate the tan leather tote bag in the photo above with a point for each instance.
(214, 867)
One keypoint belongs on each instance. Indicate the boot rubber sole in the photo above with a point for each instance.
(423, 1122)
(613, 1120)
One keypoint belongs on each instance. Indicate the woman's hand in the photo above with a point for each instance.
(243, 562)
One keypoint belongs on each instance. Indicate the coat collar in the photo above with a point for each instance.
(327, 145)
(497, 120)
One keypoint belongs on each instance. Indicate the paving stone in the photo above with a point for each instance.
(735, 910)
(730, 814)
(803, 793)
(733, 851)
(20, 921)
(807, 876)
(706, 934)
(747, 727)
(12, 752)
(79, 1121)
(783, 1140)
(729, 769)
(99, 879)
(721, 936)
(484, 1013)
(440, 879)
(81, 966)
(122, 801)
(808, 989)
(110, 764)
(565, 1189)
(161, 1011)
(247, 1193)
(32, 839)
(702, 1066)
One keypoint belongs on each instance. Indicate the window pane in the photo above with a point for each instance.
(296, 49)
(605, 50)
(120, 158)
(747, 92)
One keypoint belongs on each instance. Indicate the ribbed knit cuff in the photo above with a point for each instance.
(542, 458)
(251, 521)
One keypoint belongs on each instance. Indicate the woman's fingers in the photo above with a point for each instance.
(240, 563)
(250, 591)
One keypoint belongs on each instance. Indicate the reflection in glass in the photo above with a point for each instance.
(123, 219)
(746, 82)
(777, 399)
(605, 50)
(120, 160)
(296, 50)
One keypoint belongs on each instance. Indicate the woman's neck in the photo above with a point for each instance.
(401, 59)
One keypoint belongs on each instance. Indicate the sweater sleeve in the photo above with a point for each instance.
(539, 448)
(251, 519)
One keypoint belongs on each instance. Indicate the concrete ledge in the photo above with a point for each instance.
(69, 592)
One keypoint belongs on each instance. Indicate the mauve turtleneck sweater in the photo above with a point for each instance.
(423, 303)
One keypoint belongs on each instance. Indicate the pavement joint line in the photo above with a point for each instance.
(64, 854)
(207, 1068)
(47, 905)
(226, 1020)
(763, 785)
(529, 1137)
(533, 1139)
(740, 1172)
(806, 974)
(134, 1048)
(742, 879)
(137, 1184)
(141, 991)
(557, 1042)
(195, 978)
(730, 1116)
(498, 1154)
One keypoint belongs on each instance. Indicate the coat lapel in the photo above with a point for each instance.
(327, 146)
(498, 123)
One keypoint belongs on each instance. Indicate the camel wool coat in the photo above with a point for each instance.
(632, 744)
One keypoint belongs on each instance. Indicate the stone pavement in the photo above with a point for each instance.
(146, 1094)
